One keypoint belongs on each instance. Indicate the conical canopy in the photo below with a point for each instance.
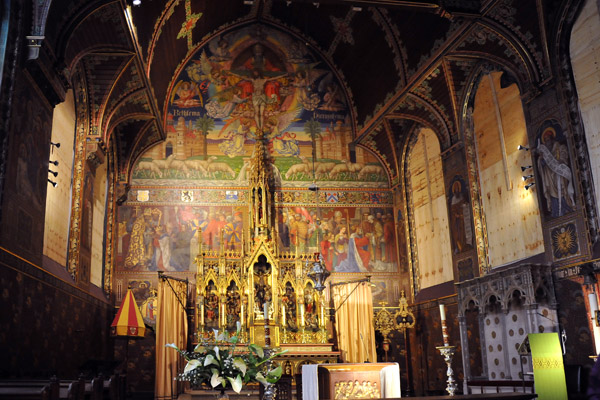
(128, 321)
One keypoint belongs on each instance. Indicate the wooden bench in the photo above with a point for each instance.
(30, 389)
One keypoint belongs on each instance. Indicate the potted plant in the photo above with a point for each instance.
(222, 364)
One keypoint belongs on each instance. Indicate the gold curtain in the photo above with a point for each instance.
(171, 327)
(354, 322)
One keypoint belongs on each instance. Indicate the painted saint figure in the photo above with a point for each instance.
(557, 179)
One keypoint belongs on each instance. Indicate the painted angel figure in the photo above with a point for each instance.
(304, 79)
(283, 143)
(188, 95)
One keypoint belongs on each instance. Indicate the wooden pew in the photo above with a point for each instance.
(30, 389)
(500, 386)
(94, 389)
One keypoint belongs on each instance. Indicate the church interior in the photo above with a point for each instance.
(280, 164)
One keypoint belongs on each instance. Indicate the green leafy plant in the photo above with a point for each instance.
(223, 363)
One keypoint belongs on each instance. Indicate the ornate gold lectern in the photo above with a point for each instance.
(248, 277)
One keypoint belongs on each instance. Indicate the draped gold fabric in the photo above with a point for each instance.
(354, 322)
(171, 327)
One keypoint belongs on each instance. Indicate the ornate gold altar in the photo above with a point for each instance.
(248, 277)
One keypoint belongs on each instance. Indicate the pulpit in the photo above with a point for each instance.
(349, 381)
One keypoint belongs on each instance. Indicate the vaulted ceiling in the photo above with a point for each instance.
(405, 64)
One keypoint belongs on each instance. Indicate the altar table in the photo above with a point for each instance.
(346, 380)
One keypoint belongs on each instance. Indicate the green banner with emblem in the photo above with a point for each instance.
(548, 368)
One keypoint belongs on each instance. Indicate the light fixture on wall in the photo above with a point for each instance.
(529, 185)
(519, 147)
(248, 2)
(525, 168)
(527, 177)
(57, 144)
(52, 182)
(53, 162)
(53, 173)
(137, 2)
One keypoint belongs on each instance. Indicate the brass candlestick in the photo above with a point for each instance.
(448, 352)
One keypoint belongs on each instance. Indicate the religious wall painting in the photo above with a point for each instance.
(146, 299)
(564, 241)
(553, 166)
(271, 87)
(385, 289)
(87, 211)
(459, 206)
(165, 238)
(351, 239)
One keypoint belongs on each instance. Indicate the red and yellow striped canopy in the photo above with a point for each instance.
(128, 321)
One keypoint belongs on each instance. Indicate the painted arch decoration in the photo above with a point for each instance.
(253, 79)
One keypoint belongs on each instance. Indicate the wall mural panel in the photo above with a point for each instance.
(165, 238)
(553, 162)
(253, 79)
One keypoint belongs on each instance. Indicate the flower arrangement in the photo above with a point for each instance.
(221, 363)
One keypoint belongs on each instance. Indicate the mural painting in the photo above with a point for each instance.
(459, 207)
(350, 239)
(554, 169)
(165, 238)
(247, 83)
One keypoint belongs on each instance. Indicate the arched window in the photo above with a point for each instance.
(430, 211)
(585, 47)
(511, 211)
(56, 226)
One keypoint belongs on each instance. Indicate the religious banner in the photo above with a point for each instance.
(548, 368)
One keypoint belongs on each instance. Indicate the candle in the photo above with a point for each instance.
(283, 315)
(202, 313)
(322, 314)
(444, 327)
(266, 311)
(302, 314)
(242, 316)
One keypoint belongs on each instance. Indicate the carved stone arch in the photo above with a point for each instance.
(479, 70)
(487, 301)
(464, 304)
(532, 71)
(409, 109)
(510, 294)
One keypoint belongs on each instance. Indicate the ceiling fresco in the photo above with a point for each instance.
(393, 61)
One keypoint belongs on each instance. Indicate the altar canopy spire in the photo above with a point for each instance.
(260, 193)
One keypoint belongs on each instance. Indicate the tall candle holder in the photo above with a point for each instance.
(448, 352)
